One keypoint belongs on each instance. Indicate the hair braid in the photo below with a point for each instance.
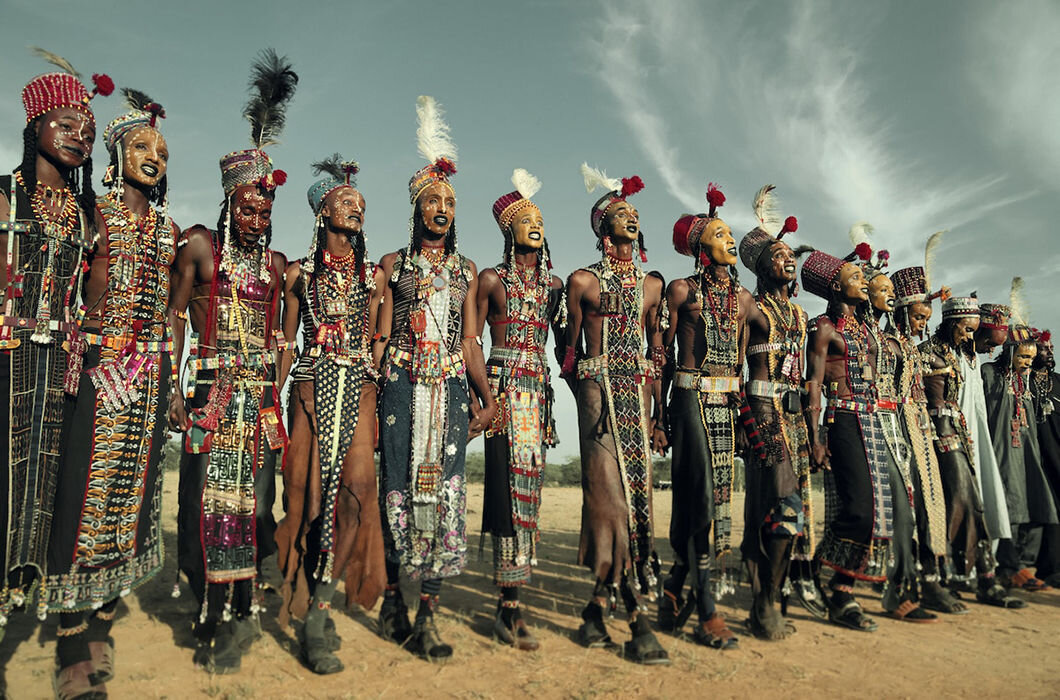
(29, 156)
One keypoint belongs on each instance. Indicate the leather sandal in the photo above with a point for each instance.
(73, 683)
(644, 648)
(317, 655)
(425, 641)
(714, 633)
(518, 635)
(850, 615)
(995, 595)
(593, 633)
(102, 661)
(910, 611)
(1029, 582)
(394, 625)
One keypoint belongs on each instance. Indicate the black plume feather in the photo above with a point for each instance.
(803, 250)
(272, 84)
(136, 99)
(331, 165)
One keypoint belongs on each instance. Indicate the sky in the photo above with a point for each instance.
(914, 117)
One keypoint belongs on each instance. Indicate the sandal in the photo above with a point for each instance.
(518, 635)
(74, 683)
(714, 633)
(317, 654)
(995, 595)
(593, 633)
(425, 641)
(810, 597)
(102, 661)
(394, 625)
(1027, 581)
(644, 648)
(943, 601)
(910, 611)
(851, 615)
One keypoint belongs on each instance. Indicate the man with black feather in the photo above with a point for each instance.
(332, 529)
(229, 282)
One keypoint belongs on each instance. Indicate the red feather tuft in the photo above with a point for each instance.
(704, 259)
(791, 225)
(715, 198)
(863, 251)
(104, 85)
(444, 165)
(643, 256)
(1045, 337)
(157, 112)
(279, 177)
(631, 185)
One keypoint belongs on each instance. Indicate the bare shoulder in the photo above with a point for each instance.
(677, 290)
(581, 280)
(654, 282)
(279, 261)
(557, 283)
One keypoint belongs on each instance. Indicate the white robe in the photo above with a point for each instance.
(987, 474)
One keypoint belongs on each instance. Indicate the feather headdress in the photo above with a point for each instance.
(525, 184)
(598, 178)
(61, 89)
(337, 168)
(859, 238)
(1018, 303)
(57, 61)
(272, 85)
(765, 209)
(432, 133)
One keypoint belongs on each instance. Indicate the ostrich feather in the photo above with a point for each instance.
(1017, 302)
(860, 233)
(803, 250)
(930, 251)
(598, 178)
(56, 60)
(272, 85)
(332, 165)
(134, 99)
(432, 133)
(525, 184)
(765, 208)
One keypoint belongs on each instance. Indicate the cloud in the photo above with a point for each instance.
(1014, 61)
(788, 98)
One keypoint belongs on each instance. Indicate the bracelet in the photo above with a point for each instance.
(182, 315)
(476, 338)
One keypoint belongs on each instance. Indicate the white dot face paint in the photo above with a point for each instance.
(66, 137)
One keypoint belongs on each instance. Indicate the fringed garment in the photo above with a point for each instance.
(424, 419)
(106, 534)
(778, 496)
(523, 427)
(703, 419)
(613, 403)
(337, 362)
(44, 276)
(236, 430)
(858, 502)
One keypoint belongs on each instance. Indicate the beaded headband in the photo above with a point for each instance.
(61, 89)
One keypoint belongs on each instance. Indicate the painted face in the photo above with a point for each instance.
(66, 135)
(251, 213)
(344, 209)
(964, 330)
(919, 315)
(851, 283)
(623, 222)
(145, 156)
(437, 205)
(782, 262)
(987, 339)
(1045, 357)
(717, 242)
(881, 293)
(528, 228)
(1023, 357)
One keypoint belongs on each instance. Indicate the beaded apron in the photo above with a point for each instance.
(43, 264)
(622, 370)
(338, 361)
(784, 358)
(518, 377)
(240, 317)
(888, 418)
(921, 436)
(865, 560)
(128, 388)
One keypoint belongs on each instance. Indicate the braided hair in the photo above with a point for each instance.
(157, 193)
(79, 180)
(226, 208)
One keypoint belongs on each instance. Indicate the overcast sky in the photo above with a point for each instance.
(914, 117)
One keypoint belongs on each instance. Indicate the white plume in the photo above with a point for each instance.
(432, 134)
(595, 178)
(765, 208)
(860, 233)
(525, 183)
(930, 251)
(1018, 303)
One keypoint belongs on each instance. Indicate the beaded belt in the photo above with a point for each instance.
(450, 364)
(948, 443)
(861, 406)
(684, 379)
(944, 412)
(499, 370)
(16, 322)
(599, 368)
(769, 390)
(117, 342)
(764, 347)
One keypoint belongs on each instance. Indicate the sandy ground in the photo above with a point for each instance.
(988, 653)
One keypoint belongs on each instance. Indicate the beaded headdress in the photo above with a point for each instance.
(143, 112)
(761, 238)
(960, 307)
(617, 191)
(272, 85)
(1019, 330)
(994, 317)
(435, 145)
(62, 89)
(819, 271)
(340, 173)
(507, 206)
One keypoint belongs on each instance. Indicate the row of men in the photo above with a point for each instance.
(98, 292)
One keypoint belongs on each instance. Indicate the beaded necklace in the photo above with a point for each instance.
(789, 331)
(1042, 392)
(1019, 416)
(727, 321)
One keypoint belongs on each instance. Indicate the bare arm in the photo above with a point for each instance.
(816, 357)
(653, 292)
(568, 351)
(385, 318)
(475, 363)
(196, 249)
(291, 312)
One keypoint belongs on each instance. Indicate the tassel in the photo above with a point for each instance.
(643, 256)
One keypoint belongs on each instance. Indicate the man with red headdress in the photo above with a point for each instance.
(613, 307)
(47, 225)
(710, 306)
(230, 283)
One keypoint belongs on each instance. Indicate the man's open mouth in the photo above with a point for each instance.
(790, 269)
(441, 220)
(731, 251)
(149, 170)
(633, 229)
(534, 235)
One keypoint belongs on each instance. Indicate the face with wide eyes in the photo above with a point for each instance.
(622, 222)
(145, 156)
(851, 285)
(66, 135)
(251, 213)
(919, 315)
(344, 210)
(881, 293)
(1045, 355)
(782, 262)
(964, 330)
(528, 228)
(437, 205)
(1023, 357)
(717, 242)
